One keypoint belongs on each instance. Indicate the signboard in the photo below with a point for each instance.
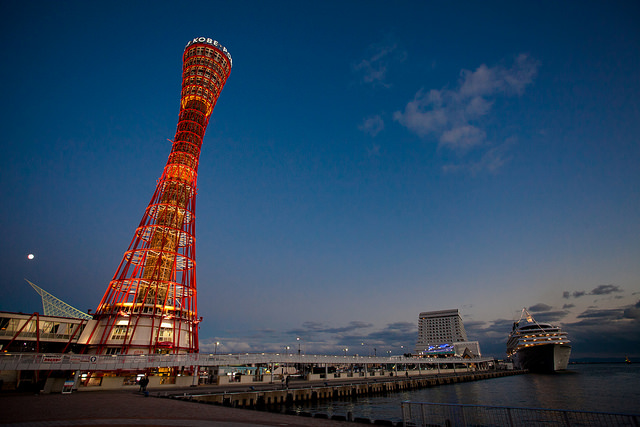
(440, 349)
(212, 42)
(77, 359)
(67, 388)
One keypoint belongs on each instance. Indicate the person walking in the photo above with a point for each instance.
(144, 382)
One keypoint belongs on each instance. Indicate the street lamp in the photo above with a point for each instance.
(298, 339)
(345, 352)
(216, 348)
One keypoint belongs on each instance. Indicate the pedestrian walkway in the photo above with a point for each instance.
(106, 408)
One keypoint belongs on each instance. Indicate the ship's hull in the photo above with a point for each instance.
(545, 358)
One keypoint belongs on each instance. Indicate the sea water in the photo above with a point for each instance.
(611, 387)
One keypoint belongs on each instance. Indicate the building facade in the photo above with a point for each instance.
(37, 333)
(438, 331)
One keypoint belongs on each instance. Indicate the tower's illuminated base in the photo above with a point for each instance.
(169, 336)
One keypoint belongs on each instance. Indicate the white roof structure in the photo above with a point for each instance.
(53, 306)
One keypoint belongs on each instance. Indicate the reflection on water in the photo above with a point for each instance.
(597, 387)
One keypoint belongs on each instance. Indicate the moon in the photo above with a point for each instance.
(31, 256)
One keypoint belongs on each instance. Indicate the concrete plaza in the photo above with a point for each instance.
(126, 408)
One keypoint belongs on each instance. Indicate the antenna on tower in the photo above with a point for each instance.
(53, 306)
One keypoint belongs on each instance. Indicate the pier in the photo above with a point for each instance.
(166, 371)
(300, 392)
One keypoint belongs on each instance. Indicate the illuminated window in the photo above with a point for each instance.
(119, 332)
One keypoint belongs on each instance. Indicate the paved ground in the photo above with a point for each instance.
(104, 408)
(128, 408)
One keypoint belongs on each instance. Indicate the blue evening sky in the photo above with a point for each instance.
(366, 161)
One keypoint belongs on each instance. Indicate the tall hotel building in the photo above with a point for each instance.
(442, 332)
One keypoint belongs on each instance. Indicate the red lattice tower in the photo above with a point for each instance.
(150, 305)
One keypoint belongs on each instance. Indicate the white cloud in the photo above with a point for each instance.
(463, 137)
(478, 107)
(374, 68)
(374, 151)
(225, 345)
(490, 160)
(425, 114)
(318, 338)
(494, 158)
(372, 125)
(485, 81)
(453, 117)
(521, 74)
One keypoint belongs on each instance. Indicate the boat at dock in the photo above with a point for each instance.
(538, 346)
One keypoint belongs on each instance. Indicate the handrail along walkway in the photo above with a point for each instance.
(67, 361)
(448, 414)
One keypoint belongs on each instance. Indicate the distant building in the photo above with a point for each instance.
(467, 349)
(442, 333)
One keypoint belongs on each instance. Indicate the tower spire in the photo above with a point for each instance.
(151, 303)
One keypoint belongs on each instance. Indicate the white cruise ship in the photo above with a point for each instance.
(538, 347)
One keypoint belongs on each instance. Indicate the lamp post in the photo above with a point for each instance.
(363, 350)
(286, 364)
(298, 339)
(345, 352)
(215, 352)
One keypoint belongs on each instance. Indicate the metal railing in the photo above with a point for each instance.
(444, 414)
(42, 361)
